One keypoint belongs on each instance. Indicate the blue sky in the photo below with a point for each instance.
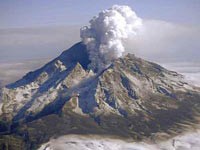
(26, 13)
(34, 31)
(37, 29)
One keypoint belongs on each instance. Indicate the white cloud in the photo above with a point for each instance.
(187, 141)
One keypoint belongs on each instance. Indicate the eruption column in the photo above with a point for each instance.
(106, 32)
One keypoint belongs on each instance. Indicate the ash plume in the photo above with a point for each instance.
(106, 32)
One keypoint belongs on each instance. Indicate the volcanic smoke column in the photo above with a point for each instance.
(106, 32)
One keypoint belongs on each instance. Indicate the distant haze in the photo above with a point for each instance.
(41, 30)
(160, 41)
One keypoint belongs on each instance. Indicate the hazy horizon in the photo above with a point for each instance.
(43, 29)
(35, 30)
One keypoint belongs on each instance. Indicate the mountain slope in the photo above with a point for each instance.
(130, 98)
(42, 85)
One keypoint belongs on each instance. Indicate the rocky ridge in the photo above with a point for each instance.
(130, 98)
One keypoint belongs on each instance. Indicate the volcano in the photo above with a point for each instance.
(130, 98)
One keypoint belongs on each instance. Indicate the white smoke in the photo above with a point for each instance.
(104, 37)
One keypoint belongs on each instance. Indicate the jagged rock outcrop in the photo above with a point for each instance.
(131, 98)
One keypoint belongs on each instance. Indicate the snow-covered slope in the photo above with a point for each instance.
(41, 87)
(130, 98)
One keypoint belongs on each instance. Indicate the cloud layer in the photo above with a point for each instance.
(12, 71)
(191, 71)
(187, 141)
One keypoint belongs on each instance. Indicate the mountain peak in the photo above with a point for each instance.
(134, 95)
